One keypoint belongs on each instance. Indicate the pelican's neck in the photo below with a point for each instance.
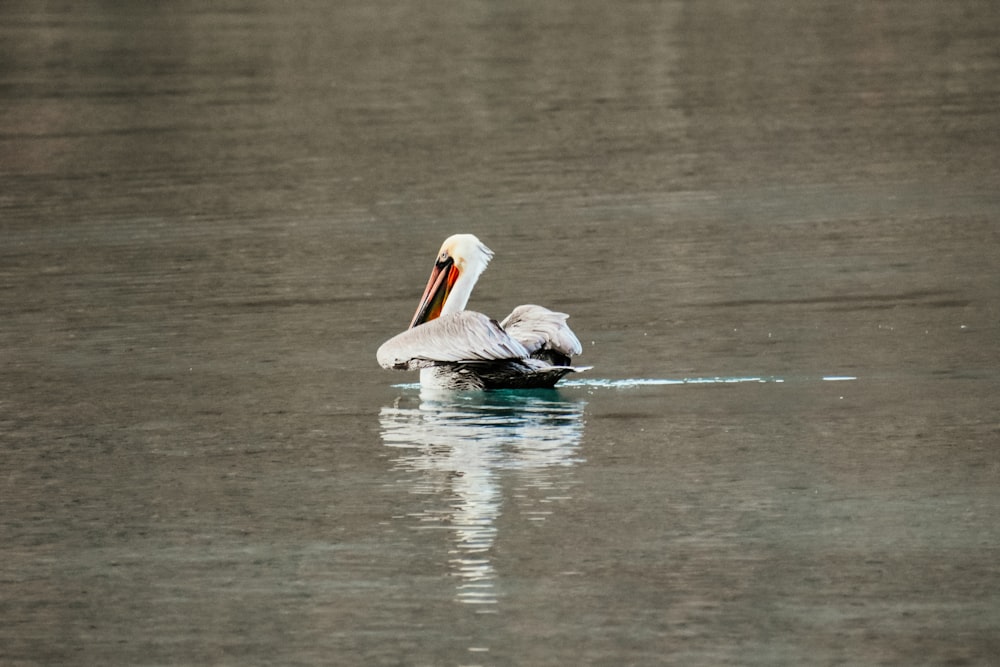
(471, 258)
(461, 292)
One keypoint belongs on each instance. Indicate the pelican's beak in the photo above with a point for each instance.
(442, 279)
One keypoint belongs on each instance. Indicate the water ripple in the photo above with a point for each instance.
(629, 383)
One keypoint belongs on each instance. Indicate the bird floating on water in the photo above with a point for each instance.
(456, 348)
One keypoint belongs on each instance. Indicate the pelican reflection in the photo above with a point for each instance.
(466, 453)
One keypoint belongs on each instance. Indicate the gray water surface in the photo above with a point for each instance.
(775, 227)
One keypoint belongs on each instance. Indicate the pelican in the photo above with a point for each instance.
(455, 348)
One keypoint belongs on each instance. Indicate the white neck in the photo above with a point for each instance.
(460, 293)
(471, 257)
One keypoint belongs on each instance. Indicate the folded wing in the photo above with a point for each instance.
(544, 333)
(463, 336)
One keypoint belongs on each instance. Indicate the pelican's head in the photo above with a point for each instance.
(460, 261)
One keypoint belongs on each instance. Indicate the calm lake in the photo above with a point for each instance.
(776, 228)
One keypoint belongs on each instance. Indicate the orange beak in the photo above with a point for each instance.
(443, 277)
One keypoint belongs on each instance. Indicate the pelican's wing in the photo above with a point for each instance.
(539, 328)
(464, 336)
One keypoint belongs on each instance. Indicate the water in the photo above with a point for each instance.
(774, 228)
(457, 449)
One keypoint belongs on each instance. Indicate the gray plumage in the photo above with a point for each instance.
(459, 349)
(468, 350)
